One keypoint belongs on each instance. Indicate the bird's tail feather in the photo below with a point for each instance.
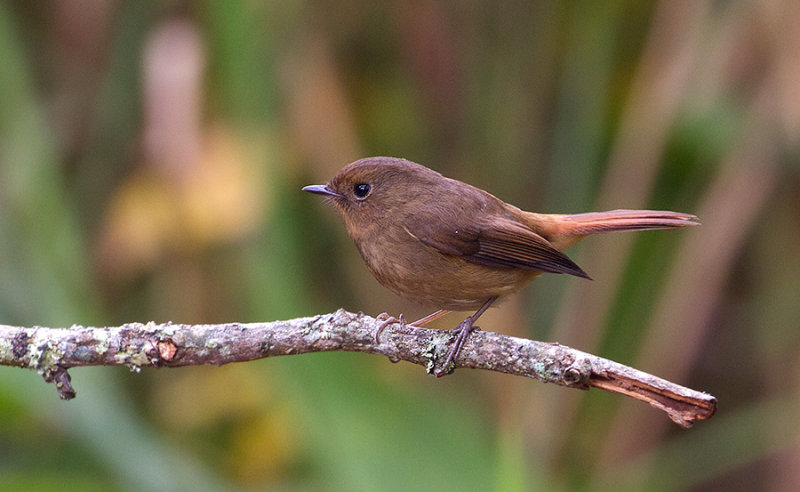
(625, 220)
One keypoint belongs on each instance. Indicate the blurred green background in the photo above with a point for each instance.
(151, 159)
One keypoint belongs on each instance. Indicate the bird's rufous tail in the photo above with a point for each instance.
(565, 230)
(625, 220)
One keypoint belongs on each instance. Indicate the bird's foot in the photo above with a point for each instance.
(462, 331)
(387, 320)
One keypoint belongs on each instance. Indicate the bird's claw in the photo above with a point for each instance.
(461, 332)
(387, 320)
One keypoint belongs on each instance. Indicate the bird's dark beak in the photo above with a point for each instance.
(321, 190)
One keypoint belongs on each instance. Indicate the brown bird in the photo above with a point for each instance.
(445, 244)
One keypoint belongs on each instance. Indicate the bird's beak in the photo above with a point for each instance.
(321, 190)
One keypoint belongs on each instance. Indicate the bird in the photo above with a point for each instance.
(443, 243)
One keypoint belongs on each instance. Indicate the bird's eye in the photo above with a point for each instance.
(361, 190)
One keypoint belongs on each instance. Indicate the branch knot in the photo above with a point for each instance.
(579, 373)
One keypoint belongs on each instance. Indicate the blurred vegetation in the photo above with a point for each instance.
(151, 156)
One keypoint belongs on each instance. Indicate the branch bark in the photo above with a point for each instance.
(51, 351)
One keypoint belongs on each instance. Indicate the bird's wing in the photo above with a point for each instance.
(500, 242)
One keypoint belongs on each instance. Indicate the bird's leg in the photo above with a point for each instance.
(427, 319)
(463, 330)
(388, 320)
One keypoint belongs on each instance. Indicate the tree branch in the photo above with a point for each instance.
(52, 351)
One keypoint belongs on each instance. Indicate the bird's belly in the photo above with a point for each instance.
(427, 277)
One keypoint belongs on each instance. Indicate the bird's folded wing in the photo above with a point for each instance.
(500, 242)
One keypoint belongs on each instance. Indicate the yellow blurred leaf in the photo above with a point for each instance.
(219, 199)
